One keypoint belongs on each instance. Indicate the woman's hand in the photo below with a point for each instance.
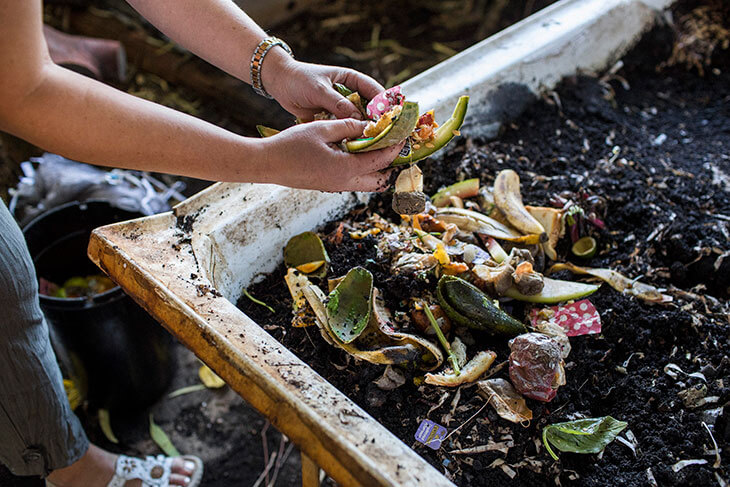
(305, 89)
(307, 156)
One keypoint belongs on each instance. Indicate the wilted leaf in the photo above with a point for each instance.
(106, 426)
(508, 403)
(162, 440)
(589, 435)
(209, 378)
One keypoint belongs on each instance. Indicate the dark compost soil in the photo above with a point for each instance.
(667, 220)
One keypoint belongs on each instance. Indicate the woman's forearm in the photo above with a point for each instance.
(216, 30)
(85, 120)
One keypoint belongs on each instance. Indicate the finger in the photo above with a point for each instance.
(337, 130)
(375, 182)
(337, 104)
(377, 160)
(303, 114)
(356, 81)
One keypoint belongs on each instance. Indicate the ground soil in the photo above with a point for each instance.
(667, 220)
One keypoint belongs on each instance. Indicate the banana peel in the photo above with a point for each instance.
(508, 199)
(472, 221)
(552, 221)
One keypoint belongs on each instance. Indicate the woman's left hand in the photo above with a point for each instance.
(305, 89)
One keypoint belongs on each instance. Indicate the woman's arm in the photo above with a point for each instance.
(221, 33)
(82, 119)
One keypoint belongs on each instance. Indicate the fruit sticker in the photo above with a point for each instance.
(430, 434)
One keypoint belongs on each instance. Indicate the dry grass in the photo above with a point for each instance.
(699, 34)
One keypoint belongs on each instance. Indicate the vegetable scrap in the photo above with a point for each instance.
(508, 403)
(478, 251)
(209, 378)
(106, 426)
(76, 287)
(392, 120)
(618, 281)
(162, 440)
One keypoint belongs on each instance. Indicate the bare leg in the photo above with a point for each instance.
(96, 469)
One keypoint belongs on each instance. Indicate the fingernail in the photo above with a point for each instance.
(356, 115)
(189, 466)
(186, 480)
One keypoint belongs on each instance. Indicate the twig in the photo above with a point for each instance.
(265, 473)
(462, 424)
(280, 463)
(265, 444)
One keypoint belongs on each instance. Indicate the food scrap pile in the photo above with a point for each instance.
(473, 246)
(76, 287)
(635, 165)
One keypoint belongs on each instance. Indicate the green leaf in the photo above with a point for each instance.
(589, 435)
(106, 426)
(162, 440)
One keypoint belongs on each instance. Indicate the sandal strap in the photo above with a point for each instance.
(152, 471)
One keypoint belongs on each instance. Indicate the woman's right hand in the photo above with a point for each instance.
(307, 156)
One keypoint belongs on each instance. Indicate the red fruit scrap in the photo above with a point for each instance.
(425, 127)
(536, 366)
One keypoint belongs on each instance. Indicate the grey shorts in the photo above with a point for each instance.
(38, 431)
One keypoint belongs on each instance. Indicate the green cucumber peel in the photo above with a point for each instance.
(462, 189)
(443, 135)
(401, 128)
(555, 291)
(476, 310)
(394, 133)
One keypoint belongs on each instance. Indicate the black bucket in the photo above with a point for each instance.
(126, 355)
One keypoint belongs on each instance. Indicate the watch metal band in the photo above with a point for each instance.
(257, 61)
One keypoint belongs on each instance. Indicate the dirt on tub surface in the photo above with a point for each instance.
(656, 145)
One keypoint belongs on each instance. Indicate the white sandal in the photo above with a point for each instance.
(152, 471)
